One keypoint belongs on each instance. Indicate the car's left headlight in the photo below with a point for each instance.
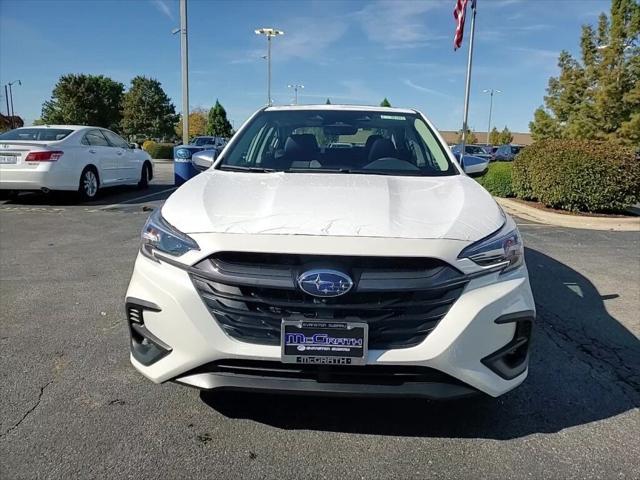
(501, 248)
(158, 235)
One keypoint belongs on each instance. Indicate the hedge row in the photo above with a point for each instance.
(158, 150)
(578, 175)
(497, 179)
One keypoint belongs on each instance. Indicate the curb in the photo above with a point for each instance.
(568, 221)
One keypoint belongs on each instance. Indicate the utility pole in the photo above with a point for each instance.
(269, 32)
(6, 97)
(295, 89)
(12, 114)
(490, 92)
(184, 58)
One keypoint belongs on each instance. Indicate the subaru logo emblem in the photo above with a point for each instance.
(325, 283)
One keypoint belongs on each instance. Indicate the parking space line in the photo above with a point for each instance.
(132, 200)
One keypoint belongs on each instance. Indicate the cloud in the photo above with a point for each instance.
(396, 23)
(163, 7)
(431, 91)
(305, 38)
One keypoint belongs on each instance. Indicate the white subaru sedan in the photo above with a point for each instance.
(335, 250)
(70, 157)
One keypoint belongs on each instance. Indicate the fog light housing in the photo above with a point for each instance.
(513, 359)
(146, 348)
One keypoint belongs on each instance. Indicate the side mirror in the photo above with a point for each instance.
(201, 161)
(133, 146)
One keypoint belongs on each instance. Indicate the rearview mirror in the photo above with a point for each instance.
(340, 130)
(201, 161)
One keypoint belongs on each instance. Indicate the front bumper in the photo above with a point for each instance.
(460, 347)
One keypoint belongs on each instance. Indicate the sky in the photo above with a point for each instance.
(354, 52)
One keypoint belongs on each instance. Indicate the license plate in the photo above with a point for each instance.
(8, 159)
(324, 342)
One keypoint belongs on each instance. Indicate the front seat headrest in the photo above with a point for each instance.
(382, 148)
(302, 146)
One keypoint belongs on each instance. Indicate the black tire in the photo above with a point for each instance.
(8, 194)
(89, 184)
(145, 175)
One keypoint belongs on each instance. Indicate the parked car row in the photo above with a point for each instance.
(71, 158)
(502, 153)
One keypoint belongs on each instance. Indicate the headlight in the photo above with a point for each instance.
(157, 234)
(503, 247)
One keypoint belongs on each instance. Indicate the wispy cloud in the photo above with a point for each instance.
(397, 23)
(428, 90)
(163, 7)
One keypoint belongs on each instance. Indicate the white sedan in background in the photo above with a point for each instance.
(71, 158)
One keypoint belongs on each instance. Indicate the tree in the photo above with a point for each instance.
(544, 125)
(147, 110)
(84, 100)
(597, 97)
(385, 103)
(328, 102)
(471, 137)
(197, 123)
(494, 136)
(505, 136)
(217, 123)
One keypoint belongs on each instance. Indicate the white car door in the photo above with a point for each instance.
(129, 164)
(100, 154)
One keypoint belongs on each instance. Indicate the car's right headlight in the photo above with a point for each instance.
(502, 248)
(159, 235)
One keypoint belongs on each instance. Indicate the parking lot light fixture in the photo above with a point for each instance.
(269, 33)
(295, 89)
(490, 92)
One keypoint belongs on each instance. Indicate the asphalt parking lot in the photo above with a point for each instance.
(73, 407)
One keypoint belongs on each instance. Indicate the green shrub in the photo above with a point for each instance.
(149, 146)
(158, 150)
(578, 175)
(497, 179)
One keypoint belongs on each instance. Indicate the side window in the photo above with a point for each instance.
(95, 138)
(115, 140)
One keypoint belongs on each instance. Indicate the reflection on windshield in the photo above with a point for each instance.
(337, 141)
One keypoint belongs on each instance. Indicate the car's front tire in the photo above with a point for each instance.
(89, 184)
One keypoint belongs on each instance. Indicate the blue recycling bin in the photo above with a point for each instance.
(183, 170)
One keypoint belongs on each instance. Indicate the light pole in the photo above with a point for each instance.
(184, 60)
(6, 97)
(490, 92)
(269, 33)
(11, 100)
(295, 89)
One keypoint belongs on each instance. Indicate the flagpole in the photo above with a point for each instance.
(468, 85)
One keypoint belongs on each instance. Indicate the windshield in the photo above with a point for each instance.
(338, 141)
(36, 134)
(202, 141)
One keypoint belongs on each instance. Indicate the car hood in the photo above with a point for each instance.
(451, 207)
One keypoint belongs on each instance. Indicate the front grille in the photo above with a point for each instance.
(401, 299)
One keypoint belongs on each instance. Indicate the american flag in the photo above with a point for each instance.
(459, 14)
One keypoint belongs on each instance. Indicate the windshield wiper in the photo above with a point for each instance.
(318, 170)
(238, 168)
(361, 171)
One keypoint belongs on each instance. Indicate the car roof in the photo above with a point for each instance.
(66, 127)
(357, 108)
